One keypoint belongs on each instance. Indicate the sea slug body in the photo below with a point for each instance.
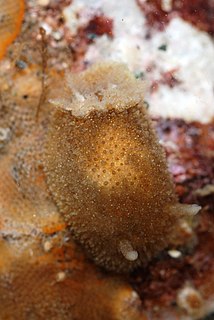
(107, 172)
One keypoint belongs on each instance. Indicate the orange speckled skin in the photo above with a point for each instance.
(108, 174)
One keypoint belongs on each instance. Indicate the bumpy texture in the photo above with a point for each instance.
(59, 285)
(107, 172)
(43, 273)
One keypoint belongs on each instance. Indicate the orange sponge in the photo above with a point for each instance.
(11, 16)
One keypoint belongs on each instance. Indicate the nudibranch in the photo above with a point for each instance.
(11, 16)
(107, 172)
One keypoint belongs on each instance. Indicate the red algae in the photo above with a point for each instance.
(167, 78)
(97, 26)
(159, 283)
(199, 13)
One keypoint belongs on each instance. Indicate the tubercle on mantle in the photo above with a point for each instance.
(107, 172)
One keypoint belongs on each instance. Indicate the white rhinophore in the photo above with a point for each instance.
(127, 250)
(192, 209)
(185, 209)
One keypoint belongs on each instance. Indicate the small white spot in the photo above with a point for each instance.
(73, 213)
(132, 255)
(4, 136)
(166, 5)
(186, 229)
(127, 250)
(60, 276)
(47, 246)
(47, 27)
(43, 2)
(57, 35)
(174, 254)
(79, 96)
